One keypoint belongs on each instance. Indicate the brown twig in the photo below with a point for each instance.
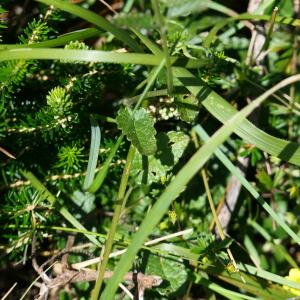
(64, 275)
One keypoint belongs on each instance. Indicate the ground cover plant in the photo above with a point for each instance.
(149, 149)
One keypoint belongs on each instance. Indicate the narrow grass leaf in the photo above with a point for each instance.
(223, 111)
(94, 152)
(222, 291)
(99, 179)
(69, 55)
(95, 19)
(81, 34)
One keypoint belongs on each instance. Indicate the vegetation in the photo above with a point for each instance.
(149, 149)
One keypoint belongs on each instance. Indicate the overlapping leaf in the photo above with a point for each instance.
(138, 126)
(154, 168)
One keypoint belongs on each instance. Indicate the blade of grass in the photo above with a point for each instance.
(115, 221)
(82, 34)
(223, 111)
(94, 152)
(95, 19)
(96, 56)
(99, 179)
(222, 291)
(53, 200)
(153, 75)
(173, 190)
(252, 250)
(275, 247)
(147, 42)
(162, 29)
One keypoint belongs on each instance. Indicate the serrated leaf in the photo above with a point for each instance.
(172, 271)
(138, 126)
(170, 147)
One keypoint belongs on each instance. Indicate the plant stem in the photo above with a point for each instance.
(115, 221)
(161, 24)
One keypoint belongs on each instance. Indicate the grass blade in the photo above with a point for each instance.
(162, 27)
(99, 179)
(223, 111)
(59, 41)
(95, 19)
(280, 20)
(94, 151)
(96, 56)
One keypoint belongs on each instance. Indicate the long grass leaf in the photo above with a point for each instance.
(96, 56)
(94, 152)
(99, 179)
(223, 111)
(82, 34)
(95, 19)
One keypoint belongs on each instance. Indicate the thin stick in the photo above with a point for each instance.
(7, 153)
(109, 7)
(217, 221)
(9, 291)
(92, 261)
(125, 289)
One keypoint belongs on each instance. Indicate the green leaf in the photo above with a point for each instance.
(138, 126)
(86, 201)
(94, 152)
(59, 41)
(172, 271)
(170, 147)
(264, 179)
(187, 107)
(95, 19)
(100, 177)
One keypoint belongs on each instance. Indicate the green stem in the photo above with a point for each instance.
(161, 24)
(115, 221)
